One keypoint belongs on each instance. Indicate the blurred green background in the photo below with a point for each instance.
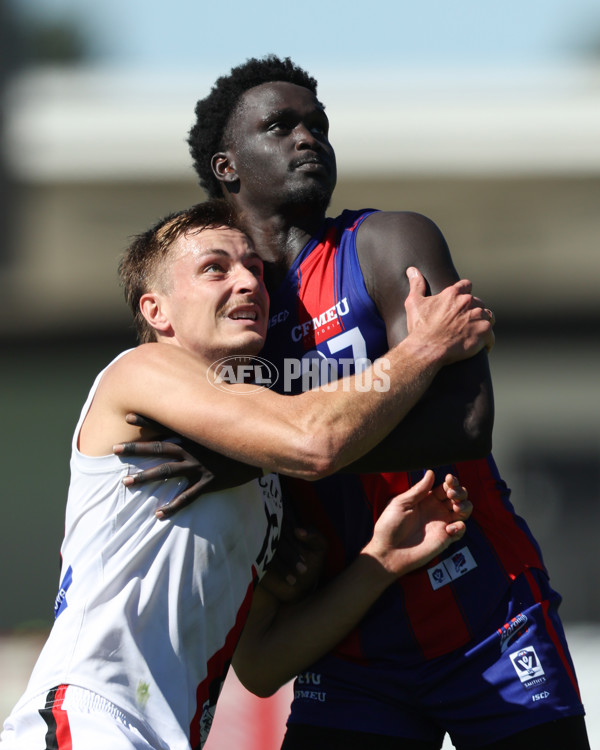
(484, 119)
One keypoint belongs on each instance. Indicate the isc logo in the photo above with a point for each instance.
(540, 696)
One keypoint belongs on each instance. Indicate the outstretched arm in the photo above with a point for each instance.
(308, 435)
(279, 641)
(459, 403)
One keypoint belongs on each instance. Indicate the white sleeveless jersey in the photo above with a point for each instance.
(149, 612)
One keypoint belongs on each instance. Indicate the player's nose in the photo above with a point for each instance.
(305, 138)
(246, 280)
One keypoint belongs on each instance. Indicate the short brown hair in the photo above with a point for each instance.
(141, 261)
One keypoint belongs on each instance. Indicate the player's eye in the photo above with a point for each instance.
(279, 126)
(213, 268)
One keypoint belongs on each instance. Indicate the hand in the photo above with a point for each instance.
(419, 524)
(205, 470)
(294, 571)
(453, 320)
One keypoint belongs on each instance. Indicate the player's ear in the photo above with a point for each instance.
(154, 310)
(223, 167)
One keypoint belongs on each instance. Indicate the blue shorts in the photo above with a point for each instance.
(515, 675)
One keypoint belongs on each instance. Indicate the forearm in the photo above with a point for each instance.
(309, 435)
(414, 527)
(320, 431)
(353, 419)
(289, 639)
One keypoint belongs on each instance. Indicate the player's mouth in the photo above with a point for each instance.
(309, 164)
(251, 313)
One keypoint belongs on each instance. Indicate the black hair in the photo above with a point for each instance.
(214, 112)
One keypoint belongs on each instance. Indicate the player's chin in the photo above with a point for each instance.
(242, 329)
(313, 190)
(248, 342)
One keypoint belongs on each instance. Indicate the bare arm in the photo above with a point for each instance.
(308, 435)
(279, 641)
(459, 403)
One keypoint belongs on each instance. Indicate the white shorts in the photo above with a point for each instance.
(73, 718)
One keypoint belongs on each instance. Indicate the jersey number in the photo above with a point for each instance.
(352, 340)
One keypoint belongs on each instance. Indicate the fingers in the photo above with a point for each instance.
(451, 490)
(289, 561)
(184, 499)
(463, 286)
(423, 486)
(481, 312)
(289, 558)
(163, 472)
(456, 530)
(488, 315)
(177, 468)
(140, 421)
(418, 285)
(483, 320)
(416, 281)
(416, 493)
(490, 338)
(151, 448)
(453, 318)
(462, 511)
(311, 539)
(156, 474)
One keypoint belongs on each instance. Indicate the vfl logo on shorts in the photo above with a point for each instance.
(528, 667)
(451, 568)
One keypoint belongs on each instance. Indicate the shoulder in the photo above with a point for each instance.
(403, 230)
(121, 364)
(150, 354)
(388, 242)
(122, 374)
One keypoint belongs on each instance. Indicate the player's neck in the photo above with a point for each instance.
(279, 236)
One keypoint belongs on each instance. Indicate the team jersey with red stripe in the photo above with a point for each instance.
(322, 314)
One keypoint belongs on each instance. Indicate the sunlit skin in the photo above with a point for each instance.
(213, 300)
(278, 156)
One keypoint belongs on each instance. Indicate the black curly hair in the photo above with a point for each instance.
(214, 112)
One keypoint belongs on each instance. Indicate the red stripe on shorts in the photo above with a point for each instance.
(58, 736)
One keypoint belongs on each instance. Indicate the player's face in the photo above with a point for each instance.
(278, 145)
(216, 302)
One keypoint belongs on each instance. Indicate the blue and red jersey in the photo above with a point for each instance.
(320, 313)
